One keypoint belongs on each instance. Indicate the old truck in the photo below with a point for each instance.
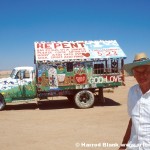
(75, 69)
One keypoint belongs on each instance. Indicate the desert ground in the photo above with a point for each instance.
(57, 125)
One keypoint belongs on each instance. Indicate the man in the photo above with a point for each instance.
(137, 136)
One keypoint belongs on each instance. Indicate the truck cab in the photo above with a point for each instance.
(19, 86)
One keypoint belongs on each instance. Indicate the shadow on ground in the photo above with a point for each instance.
(57, 104)
(108, 102)
(23, 106)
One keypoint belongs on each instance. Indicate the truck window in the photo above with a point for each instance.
(98, 68)
(22, 74)
(69, 66)
(114, 66)
(26, 74)
(18, 75)
(13, 74)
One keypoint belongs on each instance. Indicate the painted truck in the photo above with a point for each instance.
(75, 69)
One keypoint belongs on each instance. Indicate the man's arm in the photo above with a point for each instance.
(127, 136)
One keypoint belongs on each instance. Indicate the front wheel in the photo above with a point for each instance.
(84, 99)
(2, 102)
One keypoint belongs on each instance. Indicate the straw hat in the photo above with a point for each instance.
(140, 59)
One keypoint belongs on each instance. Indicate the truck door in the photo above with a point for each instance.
(26, 87)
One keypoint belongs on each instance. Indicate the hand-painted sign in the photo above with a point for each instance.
(54, 51)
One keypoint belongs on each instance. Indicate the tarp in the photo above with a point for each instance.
(77, 50)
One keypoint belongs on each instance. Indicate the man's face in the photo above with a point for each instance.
(142, 75)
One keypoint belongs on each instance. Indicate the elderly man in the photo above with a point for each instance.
(137, 136)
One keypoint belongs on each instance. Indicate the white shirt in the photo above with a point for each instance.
(139, 111)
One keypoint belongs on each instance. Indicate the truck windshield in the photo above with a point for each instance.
(13, 73)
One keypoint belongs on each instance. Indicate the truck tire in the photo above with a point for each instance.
(84, 99)
(2, 102)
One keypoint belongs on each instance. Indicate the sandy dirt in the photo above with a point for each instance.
(5, 74)
(57, 125)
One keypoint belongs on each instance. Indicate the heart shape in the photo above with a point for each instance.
(86, 54)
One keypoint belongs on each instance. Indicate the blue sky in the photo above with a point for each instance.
(22, 22)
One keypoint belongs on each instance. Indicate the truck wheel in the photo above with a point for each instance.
(2, 102)
(84, 99)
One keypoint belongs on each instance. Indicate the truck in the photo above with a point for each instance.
(75, 69)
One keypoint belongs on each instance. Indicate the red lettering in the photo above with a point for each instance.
(74, 45)
(39, 45)
(56, 45)
(47, 45)
(82, 44)
(65, 45)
